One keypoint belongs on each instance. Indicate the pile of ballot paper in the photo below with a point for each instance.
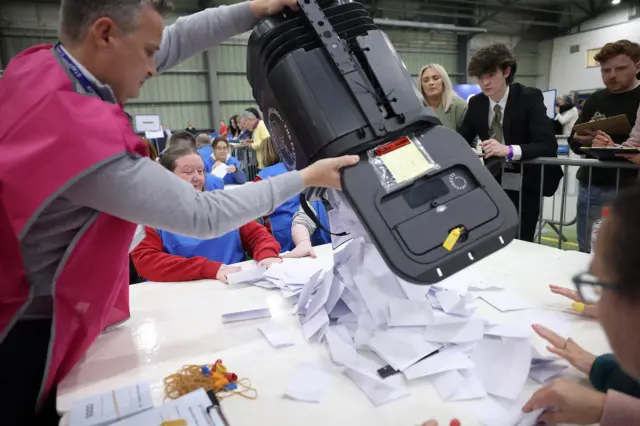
(386, 332)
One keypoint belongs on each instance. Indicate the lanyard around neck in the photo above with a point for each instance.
(77, 73)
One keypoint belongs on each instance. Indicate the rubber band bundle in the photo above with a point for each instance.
(213, 377)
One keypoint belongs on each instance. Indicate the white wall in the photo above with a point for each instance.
(569, 71)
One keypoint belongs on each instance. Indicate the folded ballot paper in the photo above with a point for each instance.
(411, 332)
(434, 332)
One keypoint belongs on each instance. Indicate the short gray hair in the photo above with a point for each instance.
(248, 115)
(203, 139)
(77, 15)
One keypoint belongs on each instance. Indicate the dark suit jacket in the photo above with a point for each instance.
(526, 124)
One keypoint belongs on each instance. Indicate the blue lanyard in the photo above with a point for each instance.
(82, 79)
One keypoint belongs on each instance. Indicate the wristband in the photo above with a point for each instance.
(510, 156)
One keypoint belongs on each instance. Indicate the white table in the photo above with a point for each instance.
(173, 324)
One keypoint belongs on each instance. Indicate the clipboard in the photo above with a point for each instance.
(616, 126)
(609, 152)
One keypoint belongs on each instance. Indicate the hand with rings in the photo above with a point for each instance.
(581, 359)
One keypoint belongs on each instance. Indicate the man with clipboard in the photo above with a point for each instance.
(619, 64)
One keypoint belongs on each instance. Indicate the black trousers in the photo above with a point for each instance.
(529, 214)
(23, 355)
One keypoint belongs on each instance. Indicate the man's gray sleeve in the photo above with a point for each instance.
(196, 33)
(301, 218)
(141, 191)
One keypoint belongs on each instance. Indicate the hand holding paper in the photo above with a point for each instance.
(572, 403)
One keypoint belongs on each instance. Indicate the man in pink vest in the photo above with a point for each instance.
(74, 181)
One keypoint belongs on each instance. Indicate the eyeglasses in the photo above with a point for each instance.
(590, 288)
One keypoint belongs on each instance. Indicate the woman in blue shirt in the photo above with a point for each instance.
(281, 220)
(235, 175)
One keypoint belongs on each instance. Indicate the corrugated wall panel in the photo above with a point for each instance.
(12, 45)
(178, 96)
(418, 48)
(234, 90)
(526, 53)
(174, 117)
(415, 47)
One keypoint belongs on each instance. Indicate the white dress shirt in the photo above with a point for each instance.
(517, 151)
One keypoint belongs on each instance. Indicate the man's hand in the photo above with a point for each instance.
(584, 138)
(304, 249)
(266, 263)
(567, 402)
(231, 169)
(226, 270)
(590, 310)
(602, 139)
(326, 173)
(263, 8)
(566, 348)
(493, 148)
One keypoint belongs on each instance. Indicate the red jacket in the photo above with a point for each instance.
(154, 264)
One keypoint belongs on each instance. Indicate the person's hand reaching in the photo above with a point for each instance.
(581, 359)
(590, 310)
(226, 270)
(304, 249)
(567, 402)
(326, 173)
(232, 169)
(266, 263)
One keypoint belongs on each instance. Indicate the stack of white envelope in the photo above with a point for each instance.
(370, 319)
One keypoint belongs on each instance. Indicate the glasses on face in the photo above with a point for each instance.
(590, 288)
(221, 148)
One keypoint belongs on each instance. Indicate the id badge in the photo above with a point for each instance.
(510, 181)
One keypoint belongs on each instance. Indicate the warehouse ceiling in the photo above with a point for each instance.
(529, 19)
(534, 19)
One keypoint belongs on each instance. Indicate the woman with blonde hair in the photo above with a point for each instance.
(437, 91)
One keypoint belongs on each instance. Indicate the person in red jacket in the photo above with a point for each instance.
(166, 256)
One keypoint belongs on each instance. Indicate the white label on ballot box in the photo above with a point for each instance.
(109, 407)
(406, 163)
